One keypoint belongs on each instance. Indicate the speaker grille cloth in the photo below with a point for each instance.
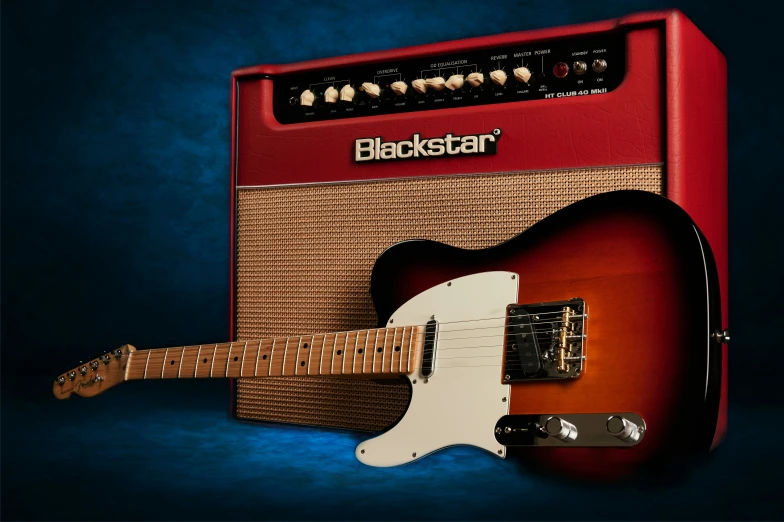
(305, 254)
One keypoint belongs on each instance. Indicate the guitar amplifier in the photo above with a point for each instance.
(466, 142)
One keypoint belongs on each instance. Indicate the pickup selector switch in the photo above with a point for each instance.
(522, 74)
(498, 77)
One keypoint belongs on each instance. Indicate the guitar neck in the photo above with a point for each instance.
(383, 351)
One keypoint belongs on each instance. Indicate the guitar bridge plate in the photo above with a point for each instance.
(545, 341)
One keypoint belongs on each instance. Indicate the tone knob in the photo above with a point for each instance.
(437, 83)
(455, 82)
(372, 90)
(560, 429)
(306, 98)
(331, 95)
(347, 93)
(419, 86)
(498, 77)
(475, 79)
(522, 74)
(399, 88)
(624, 429)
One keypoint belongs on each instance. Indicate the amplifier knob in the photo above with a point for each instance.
(347, 93)
(372, 90)
(419, 86)
(454, 82)
(522, 74)
(560, 429)
(498, 76)
(475, 79)
(331, 95)
(306, 98)
(399, 88)
(437, 83)
(622, 428)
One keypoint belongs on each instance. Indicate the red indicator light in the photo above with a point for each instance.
(560, 70)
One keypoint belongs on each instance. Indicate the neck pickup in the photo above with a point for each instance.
(545, 340)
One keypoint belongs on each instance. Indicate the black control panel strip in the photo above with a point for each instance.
(547, 70)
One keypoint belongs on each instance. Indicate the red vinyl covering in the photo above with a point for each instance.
(670, 108)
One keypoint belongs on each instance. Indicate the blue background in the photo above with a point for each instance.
(115, 161)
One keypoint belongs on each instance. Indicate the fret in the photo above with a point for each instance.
(359, 351)
(395, 351)
(196, 365)
(170, 364)
(290, 359)
(147, 363)
(272, 354)
(326, 345)
(206, 360)
(378, 360)
(242, 362)
(299, 362)
(403, 341)
(315, 350)
(265, 351)
(371, 359)
(188, 359)
(179, 368)
(155, 364)
(410, 339)
(256, 364)
(233, 362)
(354, 355)
(221, 359)
(337, 351)
(365, 350)
(279, 369)
(212, 362)
(332, 360)
(350, 351)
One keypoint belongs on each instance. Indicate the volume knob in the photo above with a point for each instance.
(331, 95)
(306, 98)
(498, 77)
(560, 429)
(624, 429)
(522, 74)
(399, 88)
(475, 79)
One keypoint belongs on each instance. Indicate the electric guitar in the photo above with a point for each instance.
(592, 338)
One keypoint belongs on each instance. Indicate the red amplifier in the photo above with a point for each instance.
(466, 142)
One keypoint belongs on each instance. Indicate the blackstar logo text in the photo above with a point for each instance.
(376, 149)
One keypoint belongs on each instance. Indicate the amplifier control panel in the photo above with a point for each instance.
(580, 66)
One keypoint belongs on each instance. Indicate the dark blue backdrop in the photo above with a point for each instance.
(115, 162)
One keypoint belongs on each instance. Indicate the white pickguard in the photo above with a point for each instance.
(464, 398)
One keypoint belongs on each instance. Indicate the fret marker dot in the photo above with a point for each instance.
(339, 352)
(359, 351)
(205, 360)
(306, 345)
(302, 363)
(379, 349)
(172, 362)
(397, 348)
(264, 357)
(235, 357)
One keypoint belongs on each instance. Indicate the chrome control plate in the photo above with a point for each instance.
(571, 429)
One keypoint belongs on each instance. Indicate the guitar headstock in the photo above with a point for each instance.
(95, 376)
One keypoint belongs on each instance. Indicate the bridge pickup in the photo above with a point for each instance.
(545, 341)
(429, 348)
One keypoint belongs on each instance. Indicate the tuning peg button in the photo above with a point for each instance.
(94, 365)
(106, 358)
(71, 375)
(61, 380)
